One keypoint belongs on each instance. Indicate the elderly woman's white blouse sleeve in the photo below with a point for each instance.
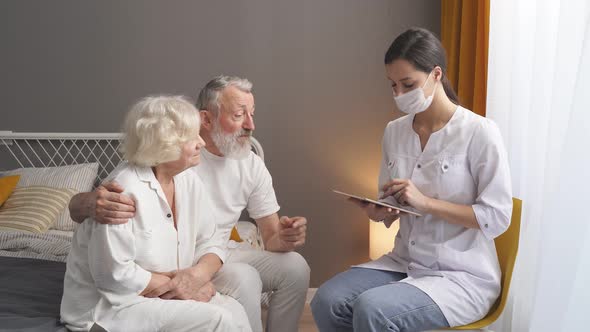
(111, 252)
(489, 168)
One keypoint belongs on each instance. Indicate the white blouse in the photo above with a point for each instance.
(464, 163)
(109, 265)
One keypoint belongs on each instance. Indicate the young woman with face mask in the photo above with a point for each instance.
(450, 165)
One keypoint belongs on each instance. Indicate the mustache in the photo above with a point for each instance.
(246, 132)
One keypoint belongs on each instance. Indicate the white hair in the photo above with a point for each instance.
(156, 127)
(209, 96)
(229, 144)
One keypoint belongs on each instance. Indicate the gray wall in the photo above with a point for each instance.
(322, 98)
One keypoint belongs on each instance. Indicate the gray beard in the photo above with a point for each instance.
(229, 144)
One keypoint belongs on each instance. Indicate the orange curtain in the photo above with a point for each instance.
(464, 34)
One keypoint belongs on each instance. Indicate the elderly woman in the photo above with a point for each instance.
(113, 271)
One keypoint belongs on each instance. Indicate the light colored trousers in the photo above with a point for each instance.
(221, 314)
(249, 272)
(367, 300)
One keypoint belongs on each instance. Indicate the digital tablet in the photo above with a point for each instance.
(368, 200)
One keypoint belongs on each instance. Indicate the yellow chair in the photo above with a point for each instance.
(506, 247)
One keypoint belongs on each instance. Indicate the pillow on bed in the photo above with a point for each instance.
(33, 209)
(78, 177)
(7, 185)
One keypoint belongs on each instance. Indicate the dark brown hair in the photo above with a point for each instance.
(424, 51)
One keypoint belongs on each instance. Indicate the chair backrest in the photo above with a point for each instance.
(257, 147)
(506, 248)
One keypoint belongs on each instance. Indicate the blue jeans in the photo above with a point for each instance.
(372, 300)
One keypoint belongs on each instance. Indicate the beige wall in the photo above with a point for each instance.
(322, 99)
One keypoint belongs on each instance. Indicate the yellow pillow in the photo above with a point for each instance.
(235, 235)
(7, 185)
(33, 209)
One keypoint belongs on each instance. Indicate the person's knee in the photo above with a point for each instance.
(364, 307)
(294, 270)
(191, 315)
(240, 316)
(368, 314)
(242, 279)
(321, 303)
(328, 306)
(222, 320)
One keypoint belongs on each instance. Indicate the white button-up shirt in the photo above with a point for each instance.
(464, 163)
(110, 265)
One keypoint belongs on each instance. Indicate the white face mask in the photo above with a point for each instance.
(414, 101)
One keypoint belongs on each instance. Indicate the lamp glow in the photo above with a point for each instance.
(381, 238)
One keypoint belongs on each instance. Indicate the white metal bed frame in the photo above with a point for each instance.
(60, 149)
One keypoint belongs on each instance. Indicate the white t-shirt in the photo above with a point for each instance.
(464, 163)
(235, 185)
(108, 265)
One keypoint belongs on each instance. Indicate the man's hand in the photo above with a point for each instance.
(292, 232)
(184, 285)
(205, 293)
(282, 234)
(110, 206)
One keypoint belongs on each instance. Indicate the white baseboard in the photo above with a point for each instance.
(310, 294)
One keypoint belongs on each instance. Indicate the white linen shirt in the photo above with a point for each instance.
(109, 265)
(235, 185)
(463, 163)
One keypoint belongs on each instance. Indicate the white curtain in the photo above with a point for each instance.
(539, 95)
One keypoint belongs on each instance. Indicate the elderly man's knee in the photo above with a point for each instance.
(242, 278)
(294, 269)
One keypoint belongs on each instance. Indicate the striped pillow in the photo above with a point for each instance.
(79, 177)
(33, 209)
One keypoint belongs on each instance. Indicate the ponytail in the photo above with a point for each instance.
(449, 90)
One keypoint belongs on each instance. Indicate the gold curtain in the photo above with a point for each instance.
(464, 35)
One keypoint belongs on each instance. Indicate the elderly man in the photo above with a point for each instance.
(236, 179)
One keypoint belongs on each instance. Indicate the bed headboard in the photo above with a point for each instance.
(60, 149)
